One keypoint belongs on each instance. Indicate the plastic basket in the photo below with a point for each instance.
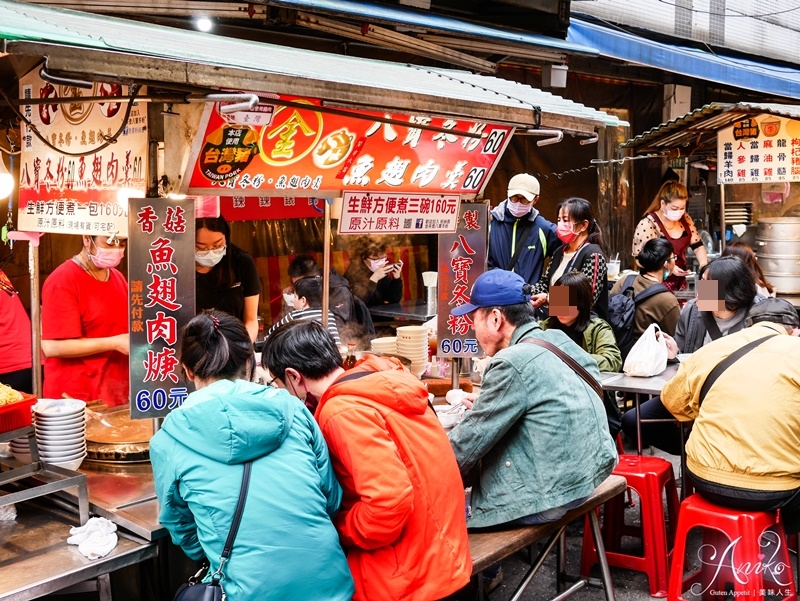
(17, 415)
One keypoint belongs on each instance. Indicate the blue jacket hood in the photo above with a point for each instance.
(233, 422)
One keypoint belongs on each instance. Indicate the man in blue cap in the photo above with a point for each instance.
(538, 429)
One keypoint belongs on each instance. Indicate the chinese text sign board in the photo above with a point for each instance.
(383, 213)
(161, 300)
(304, 150)
(462, 258)
(759, 150)
(78, 194)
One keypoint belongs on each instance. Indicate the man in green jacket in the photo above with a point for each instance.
(537, 428)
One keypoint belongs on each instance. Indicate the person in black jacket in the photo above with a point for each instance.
(373, 279)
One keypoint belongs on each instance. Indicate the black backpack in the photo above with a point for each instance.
(622, 311)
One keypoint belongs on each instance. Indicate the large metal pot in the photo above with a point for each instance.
(778, 251)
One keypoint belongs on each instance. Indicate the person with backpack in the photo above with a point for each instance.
(709, 317)
(639, 300)
(582, 251)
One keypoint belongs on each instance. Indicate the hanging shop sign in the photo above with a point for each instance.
(384, 213)
(462, 258)
(259, 208)
(79, 194)
(759, 150)
(161, 300)
(301, 150)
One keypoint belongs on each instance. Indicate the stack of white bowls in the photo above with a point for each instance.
(20, 449)
(412, 343)
(60, 426)
(386, 345)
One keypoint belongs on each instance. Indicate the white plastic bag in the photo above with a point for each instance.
(648, 357)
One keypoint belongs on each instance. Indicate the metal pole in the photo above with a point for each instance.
(36, 319)
(326, 263)
(721, 217)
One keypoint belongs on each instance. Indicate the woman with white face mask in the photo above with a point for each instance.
(226, 277)
(85, 324)
(374, 279)
(666, 217)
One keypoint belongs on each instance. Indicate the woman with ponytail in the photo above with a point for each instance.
(582, 251)
(286, 546)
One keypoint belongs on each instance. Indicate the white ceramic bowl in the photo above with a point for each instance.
(58, 407)
(61, 428)
(58, 437)
(76, 419)
(55, 457)
(72, 464)
(447, 419)
(68, 447)
(411, 330)
(22, 457)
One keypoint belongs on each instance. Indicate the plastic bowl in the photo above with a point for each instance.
(72, 464)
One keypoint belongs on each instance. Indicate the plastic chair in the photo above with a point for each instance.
(651, 478)
(743, 554)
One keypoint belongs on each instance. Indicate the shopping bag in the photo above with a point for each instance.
(648, 356)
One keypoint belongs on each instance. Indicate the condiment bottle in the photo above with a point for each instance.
(350, 360)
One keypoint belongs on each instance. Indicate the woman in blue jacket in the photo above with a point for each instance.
(286, 546)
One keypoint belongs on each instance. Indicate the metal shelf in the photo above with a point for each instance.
(52, 478)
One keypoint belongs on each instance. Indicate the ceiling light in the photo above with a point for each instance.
(6, 181)
(203, 24)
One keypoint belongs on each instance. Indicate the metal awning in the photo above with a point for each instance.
(733, 71)
(398, 15)
(696, 132)
(120, 50)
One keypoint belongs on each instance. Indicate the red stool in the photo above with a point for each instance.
(651, 478)
(743, 554)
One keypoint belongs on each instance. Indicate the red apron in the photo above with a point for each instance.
(679, 245)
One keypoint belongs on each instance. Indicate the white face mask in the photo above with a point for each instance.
(290, 299)
(209, 258)
(674, 214)
(517, 209)
(376, 264)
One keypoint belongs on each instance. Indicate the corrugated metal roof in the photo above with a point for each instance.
(32, 23)
(696, 132)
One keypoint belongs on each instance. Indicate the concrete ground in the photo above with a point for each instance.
(628, 584)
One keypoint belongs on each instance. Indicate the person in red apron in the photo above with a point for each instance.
(666, 217)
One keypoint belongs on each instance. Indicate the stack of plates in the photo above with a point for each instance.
(738, 213)
(60, 426)
(386, 345)
(412, 343)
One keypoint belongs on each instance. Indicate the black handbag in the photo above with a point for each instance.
(194, 589)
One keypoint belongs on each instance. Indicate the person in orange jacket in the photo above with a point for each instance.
(402, 520)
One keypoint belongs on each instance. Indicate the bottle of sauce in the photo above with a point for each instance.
(350, 359)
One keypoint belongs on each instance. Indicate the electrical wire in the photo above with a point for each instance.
(726, 14)
(133, 90)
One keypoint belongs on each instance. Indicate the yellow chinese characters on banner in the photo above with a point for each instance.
(64, 193)
(302, 150)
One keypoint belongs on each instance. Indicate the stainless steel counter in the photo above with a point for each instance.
(35, 558)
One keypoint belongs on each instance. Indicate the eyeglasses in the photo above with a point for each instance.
(522, 200)
(673, 258)
(272, 382)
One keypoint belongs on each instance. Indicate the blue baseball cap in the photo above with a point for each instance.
(495, 288)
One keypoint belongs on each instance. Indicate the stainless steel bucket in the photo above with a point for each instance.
(778, 251)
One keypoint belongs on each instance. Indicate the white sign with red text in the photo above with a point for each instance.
(387, 212)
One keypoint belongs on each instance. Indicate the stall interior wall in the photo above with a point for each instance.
(616, 198)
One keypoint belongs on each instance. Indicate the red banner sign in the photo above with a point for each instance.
(301, 149)
(259, 208)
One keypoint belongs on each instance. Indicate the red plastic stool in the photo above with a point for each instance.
(650, 477)
(743, 555)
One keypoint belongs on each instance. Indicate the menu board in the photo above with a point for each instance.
(161, 300)
(63, 193)
(462, 258)
(759, 149)
(299, 150)
(383, 213)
